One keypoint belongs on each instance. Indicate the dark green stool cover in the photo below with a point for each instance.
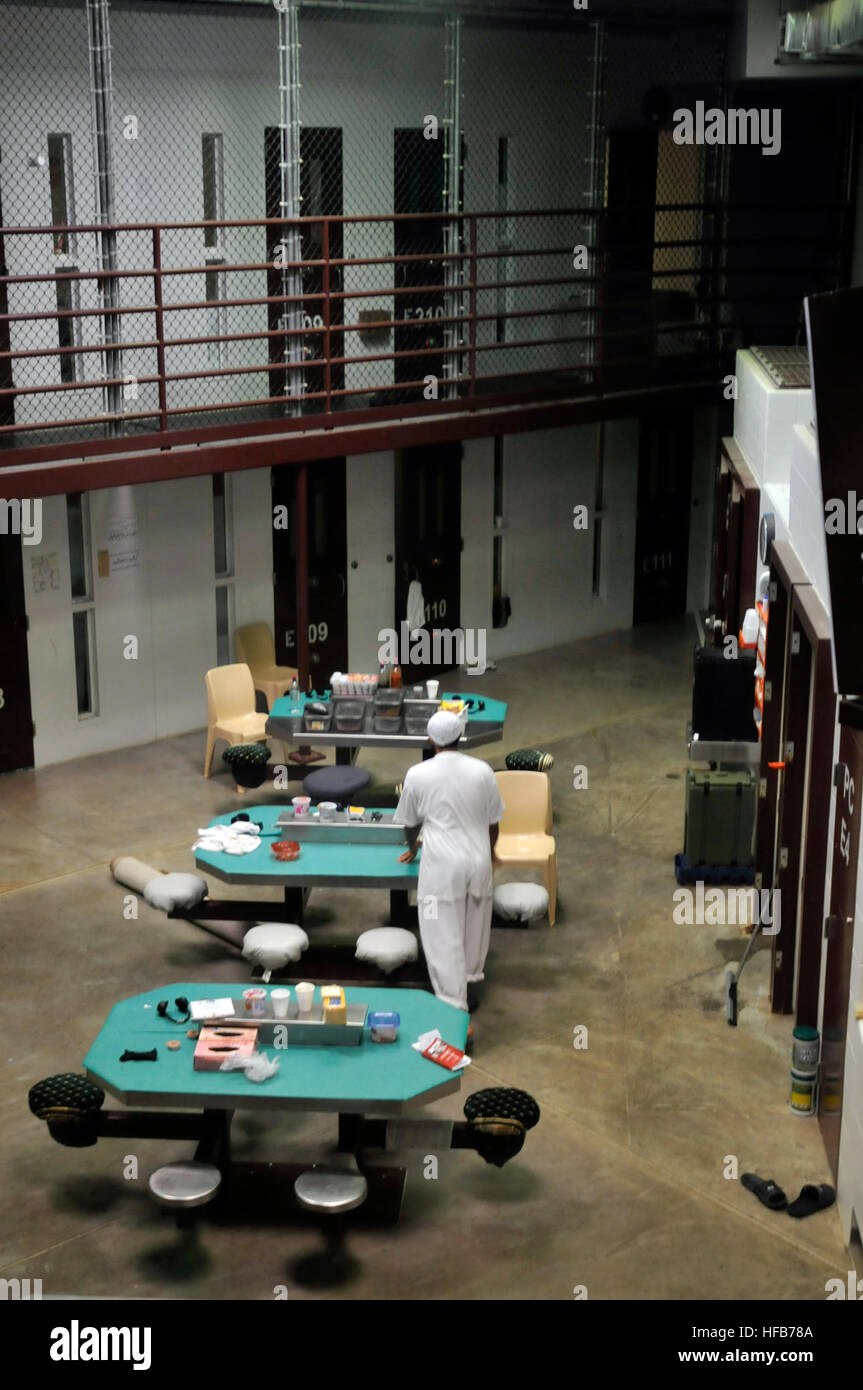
(529, 760)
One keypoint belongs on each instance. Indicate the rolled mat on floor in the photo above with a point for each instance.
(134, 873)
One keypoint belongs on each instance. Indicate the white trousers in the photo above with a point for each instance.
(455, 945)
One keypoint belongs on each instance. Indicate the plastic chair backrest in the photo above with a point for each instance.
(230, 692)
(527, 797)
(255, 646)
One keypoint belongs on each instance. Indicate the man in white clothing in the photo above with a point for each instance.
(454, 800)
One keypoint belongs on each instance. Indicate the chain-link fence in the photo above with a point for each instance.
(390, 134)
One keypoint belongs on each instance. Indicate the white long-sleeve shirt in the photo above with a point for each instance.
(455, 799)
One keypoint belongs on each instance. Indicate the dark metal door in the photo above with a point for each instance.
(16, 720)
(418, 178)
(321, 186)
(662, 528)
(792, 785)
(428, 546)
(630, 223)
(839, 930)
(327, 536)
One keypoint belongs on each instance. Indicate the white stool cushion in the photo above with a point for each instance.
(171, 892)
(520, 902)
(387, 947)
(272, 944)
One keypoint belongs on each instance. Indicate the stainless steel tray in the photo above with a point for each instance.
(310, 1028)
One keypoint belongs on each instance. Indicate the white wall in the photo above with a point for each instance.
(371, 537)
(548, 566)
(772, 427)
(704, 464)
(165, 599)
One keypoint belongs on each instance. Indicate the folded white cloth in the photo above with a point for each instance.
(240, 838)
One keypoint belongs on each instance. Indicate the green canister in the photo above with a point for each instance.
(805, 1049)
(804, 1092)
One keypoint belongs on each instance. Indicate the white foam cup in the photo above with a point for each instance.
(305, 996)
(280, 999)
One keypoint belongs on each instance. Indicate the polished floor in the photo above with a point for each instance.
(621, 1189)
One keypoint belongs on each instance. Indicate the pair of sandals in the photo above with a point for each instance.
(813, 1196)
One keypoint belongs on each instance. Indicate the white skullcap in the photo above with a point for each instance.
(444, 727)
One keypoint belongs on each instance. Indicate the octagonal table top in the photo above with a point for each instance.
(368, 1078)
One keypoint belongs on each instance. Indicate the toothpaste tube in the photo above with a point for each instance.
(432, 1045)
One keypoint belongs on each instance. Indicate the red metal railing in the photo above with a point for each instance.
(616, 332)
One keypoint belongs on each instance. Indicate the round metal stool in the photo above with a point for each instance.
(184, 1185)
(331, 1190)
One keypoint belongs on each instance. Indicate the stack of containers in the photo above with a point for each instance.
(804, 1070)
(356, 685)
(763, 612)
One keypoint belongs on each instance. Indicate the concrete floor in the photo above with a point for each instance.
(620, 1188)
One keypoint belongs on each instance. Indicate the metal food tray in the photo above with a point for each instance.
(341, 831)
(308, 1029)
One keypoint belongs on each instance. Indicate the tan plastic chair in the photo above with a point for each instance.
(231, 710)
(255, 647)
(525, 835)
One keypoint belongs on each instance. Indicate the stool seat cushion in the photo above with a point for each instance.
(171, 892)
(520, 902)
(271, 945)
(335, 783)
(387, 947)
(529, 760)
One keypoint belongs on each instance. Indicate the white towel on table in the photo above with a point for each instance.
(240, 838)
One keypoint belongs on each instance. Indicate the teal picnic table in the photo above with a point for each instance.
(328, 862)
(365, 1078)
(368, 1085)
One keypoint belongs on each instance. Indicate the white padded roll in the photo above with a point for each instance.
(132, 873)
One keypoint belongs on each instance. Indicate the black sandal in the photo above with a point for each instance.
(765, 1189)
(813, 1197)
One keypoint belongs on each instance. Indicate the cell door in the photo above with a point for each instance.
(327, 551)
(796, 699)
(16, 721)
(662, 528)
(630, 229)
(839, 928)
(321, 189)
(428, 549)
(418, 184)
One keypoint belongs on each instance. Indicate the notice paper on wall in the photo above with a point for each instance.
(121, 535)
(45, 572)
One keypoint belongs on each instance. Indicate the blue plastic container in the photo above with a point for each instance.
(384, 1026)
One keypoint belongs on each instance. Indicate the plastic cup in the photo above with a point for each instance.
(432, 688)
(305, 997)
(280, 999)
(301, 805)
(328, 810)
(254, 1001)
